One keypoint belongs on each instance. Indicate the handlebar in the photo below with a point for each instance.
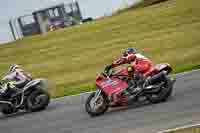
(2, 82)
(104, 74)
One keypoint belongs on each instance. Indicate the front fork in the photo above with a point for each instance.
(94, 102)
(97, 94)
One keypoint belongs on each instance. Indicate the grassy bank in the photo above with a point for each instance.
(70, 58)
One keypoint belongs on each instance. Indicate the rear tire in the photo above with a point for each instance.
(163, 95)
(33, 104)
(101, 110)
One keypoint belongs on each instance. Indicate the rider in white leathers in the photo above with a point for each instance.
(18, 77)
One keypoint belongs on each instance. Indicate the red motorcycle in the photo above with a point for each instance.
(124, 87)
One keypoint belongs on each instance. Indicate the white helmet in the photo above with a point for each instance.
(13, 67)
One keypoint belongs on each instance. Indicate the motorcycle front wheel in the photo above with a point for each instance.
(7, 109)
(98, 107)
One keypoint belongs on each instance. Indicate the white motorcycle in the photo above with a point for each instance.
(32, 97)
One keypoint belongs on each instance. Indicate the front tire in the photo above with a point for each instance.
(7, 109)
(163, 95)
(103, 107)
(37, 100)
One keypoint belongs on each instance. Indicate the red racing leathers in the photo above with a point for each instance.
(140, 63)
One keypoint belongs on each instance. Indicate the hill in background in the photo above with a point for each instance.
(70, 58)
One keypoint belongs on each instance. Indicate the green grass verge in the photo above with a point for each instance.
(187, 68)
(70, 58)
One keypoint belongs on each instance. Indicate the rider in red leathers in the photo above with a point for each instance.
(140, 63)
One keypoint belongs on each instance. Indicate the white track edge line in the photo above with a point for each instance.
(180, 128)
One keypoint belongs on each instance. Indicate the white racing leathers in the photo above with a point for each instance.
(19, 78)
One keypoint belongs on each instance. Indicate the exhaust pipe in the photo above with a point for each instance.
(157, 78)
(6, 102)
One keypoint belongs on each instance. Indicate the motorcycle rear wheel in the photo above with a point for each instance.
(33, 104)
(163, 95)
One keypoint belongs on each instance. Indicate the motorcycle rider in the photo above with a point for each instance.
(18, 77)
(142, 66)
(140, 63)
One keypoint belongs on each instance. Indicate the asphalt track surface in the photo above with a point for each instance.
(67, 115)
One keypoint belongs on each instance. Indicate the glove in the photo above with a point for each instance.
(11, 85)
(1, 82)
(107, 69)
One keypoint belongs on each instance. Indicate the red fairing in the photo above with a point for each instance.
(111, 86)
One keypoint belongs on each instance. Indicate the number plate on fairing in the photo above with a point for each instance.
(108, 83)
(113, 85)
